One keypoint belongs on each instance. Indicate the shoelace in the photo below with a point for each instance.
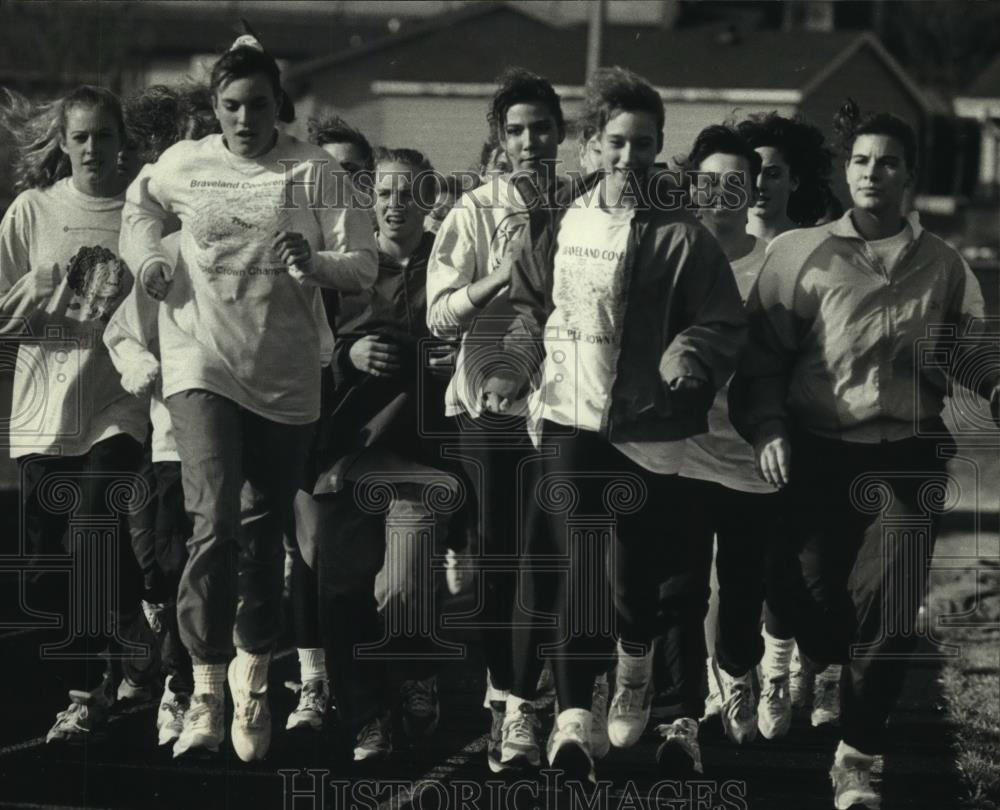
(312, 698)
(739, 699)
(826, 694)
(251, 712)
(572, 730)
(372, 736)
(70, 717)
(523, 726)
(200, 714)
(419, 697)
(774, 689)
(854, 779)
(623, 700)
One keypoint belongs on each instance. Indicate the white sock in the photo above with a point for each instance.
(831, 673)
(777, 655)
(312, 664)
(847, 752)
(210, 679)
(634, 670)
(250, 670)
(493, 695)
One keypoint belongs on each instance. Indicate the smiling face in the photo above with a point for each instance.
(247, 110)
(398, 206)
(628, 147)
(877, 175)
(723, 192)
(775, 185)
(531, 137)
(91, 139)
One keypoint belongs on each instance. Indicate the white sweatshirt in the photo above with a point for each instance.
(60, 280)
(238, 323)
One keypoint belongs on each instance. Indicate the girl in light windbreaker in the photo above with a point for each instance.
(243, 336)
(635, 311)
(845, 414)
(75, 433)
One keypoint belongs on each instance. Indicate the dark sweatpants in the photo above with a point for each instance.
(851, 572)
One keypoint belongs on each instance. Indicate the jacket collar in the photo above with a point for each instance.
(844, 227)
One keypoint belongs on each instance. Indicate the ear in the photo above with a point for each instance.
(794, 182)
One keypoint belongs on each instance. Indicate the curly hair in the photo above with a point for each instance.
(516, 85)
(726, 140)
(37, 127)
(334, 129)
(849, 123)
(151, 120)
(809, 159)
(613, 90)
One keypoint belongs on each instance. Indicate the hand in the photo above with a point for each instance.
(139, 379)
(293, 249)
(499, 393)
(774, 457)
(156, 280)
(376, 355)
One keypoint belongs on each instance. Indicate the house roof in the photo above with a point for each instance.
(473, 45)
(987, 84)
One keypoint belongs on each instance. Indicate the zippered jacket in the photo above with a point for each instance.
(683, 317)
(845, 348)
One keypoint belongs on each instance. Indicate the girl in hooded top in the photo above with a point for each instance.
(243, 336)
(80, 436)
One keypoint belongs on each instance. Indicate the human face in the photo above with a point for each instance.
(722, 191)
(129, 162)
(590, 154)
(629, 144)
(775, 185)
(877, 175)
(92, 140)
(531, 137)
(247, 111)
(398, 205)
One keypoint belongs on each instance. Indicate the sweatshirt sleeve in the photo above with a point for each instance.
(451, 269)
(759, 391)
(348, 258)
(710, 346)
(16, 302)
(143, 218)
(130, 337)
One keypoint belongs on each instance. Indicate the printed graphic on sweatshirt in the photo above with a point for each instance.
(506, 237)
(99, 281)
(234, 226)
(588, 288)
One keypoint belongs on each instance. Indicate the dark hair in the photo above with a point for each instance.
(334, 129)
(194, 107)
(850, 124)
(809, 159)
(516, 85)
(244, 61)
(613, 90)
(722, 139)
(151, 120)
(38, 127)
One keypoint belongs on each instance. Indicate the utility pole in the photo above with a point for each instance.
(595, 35)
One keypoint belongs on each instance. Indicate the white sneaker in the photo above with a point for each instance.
(251, 727)
(774, 711)
(629, 712)
(314, 697)
(851, 776)
(170, 715)
(801, 683)
(713, 703)
(826, 700)
(679, 755)
(600, 743)
(86, 719)
(569, 751)
(374, 741)
(519, 739)
(421, 707)
(739, 704)
(203, 726)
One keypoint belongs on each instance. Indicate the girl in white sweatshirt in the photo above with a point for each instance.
(264, 223)
(75, 433)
